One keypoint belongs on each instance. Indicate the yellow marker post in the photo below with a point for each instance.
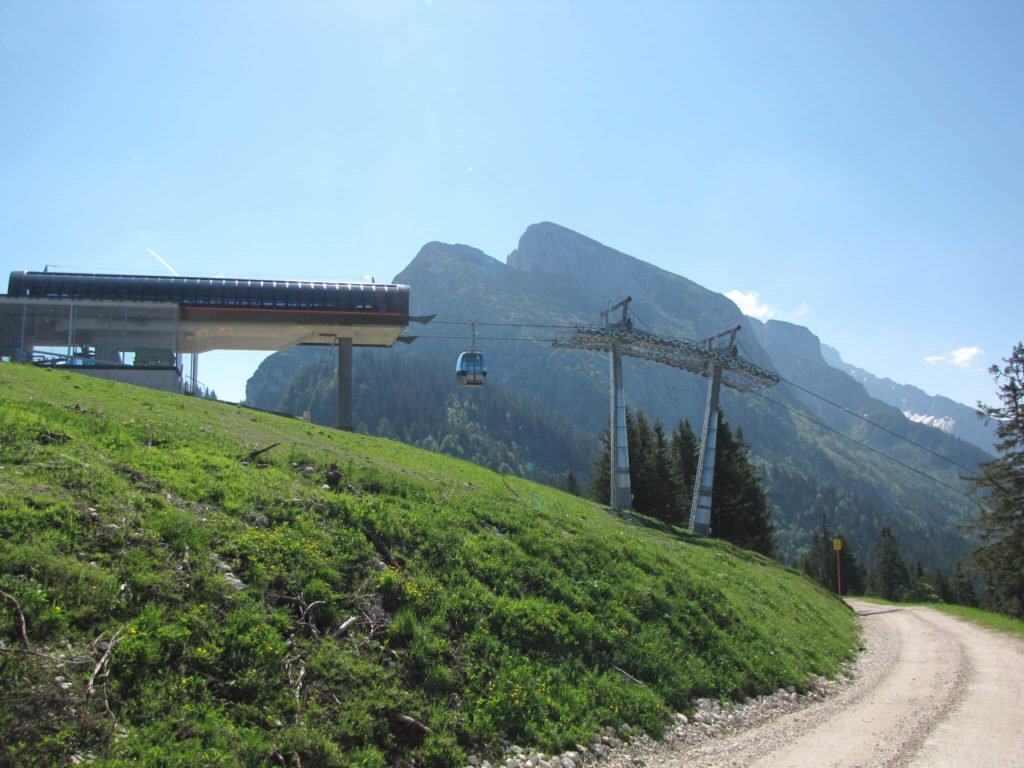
(837, 545)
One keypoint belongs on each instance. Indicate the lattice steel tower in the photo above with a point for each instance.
(716, 357)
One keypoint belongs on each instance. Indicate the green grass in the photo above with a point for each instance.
(984, 618)
(479, 608)
(981, 617)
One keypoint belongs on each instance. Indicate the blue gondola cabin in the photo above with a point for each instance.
(471, 369)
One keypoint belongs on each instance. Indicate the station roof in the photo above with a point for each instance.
(234, 313)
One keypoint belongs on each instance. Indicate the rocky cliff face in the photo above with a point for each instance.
(665, 302)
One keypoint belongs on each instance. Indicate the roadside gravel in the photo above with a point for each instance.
(928, 690)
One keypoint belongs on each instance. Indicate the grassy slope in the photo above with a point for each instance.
(485, 607)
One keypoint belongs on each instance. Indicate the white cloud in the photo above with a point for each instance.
(961, 357)
(749, 304)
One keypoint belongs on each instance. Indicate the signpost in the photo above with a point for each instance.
(837, 545)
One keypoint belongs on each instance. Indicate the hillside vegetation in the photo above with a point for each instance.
(171, 595)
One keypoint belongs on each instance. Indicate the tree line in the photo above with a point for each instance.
(886, 574)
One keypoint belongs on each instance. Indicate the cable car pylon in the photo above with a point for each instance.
(721, 364)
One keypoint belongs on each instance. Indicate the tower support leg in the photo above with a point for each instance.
(700, 509)
(343, 420)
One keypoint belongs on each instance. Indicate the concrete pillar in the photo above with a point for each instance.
(621, 495)
(343, 419)
(700, 510)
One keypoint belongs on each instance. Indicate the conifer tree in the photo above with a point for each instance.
(889, 577)
(961, 589)
(642, 475)
(663, 492)
(1000, 524)
(739, 505)
(601, 477)
(919, 587)
(941, 586)
(685, 450)
(818, 562)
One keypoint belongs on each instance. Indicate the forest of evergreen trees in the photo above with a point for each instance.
(885, 575)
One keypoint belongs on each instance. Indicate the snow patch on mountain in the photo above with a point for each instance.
(946, 423)
(935, 411)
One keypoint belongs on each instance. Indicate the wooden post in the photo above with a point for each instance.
(837, 545)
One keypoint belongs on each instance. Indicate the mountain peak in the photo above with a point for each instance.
(441, 258)
(435, 250)
(552, 249)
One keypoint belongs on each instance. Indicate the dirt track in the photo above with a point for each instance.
(931, 691)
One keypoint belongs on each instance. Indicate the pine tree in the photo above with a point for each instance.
(941, 586)
(961, 589)
(571, 484)
(663, 490)
(601, 477)
(739, 504)
(889, 577)
(819, 562)
(642, 475)
(1000, 524)
(919, 588)
(685, 451)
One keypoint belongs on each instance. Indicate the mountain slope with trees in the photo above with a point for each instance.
(814, 459)
(411, 398)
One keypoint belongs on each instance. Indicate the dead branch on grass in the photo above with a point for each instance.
(257, 451)
(21, 619)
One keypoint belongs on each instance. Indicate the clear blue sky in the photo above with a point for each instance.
(858, 166)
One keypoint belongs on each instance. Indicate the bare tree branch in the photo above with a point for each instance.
(21, 619)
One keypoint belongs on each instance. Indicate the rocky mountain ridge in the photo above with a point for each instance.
(934, 411)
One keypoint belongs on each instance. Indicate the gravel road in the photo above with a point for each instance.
(928, 690)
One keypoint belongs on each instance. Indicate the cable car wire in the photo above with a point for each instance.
(485, 338)
(971, 472)
(866, 420)
(501, 325)
(882, 427)
(884, 455)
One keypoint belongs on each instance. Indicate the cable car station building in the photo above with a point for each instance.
(138, 329)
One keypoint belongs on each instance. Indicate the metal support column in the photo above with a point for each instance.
(71, 333)
(24, 355)
(343, 420)
(621, 496)
(700, 510)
